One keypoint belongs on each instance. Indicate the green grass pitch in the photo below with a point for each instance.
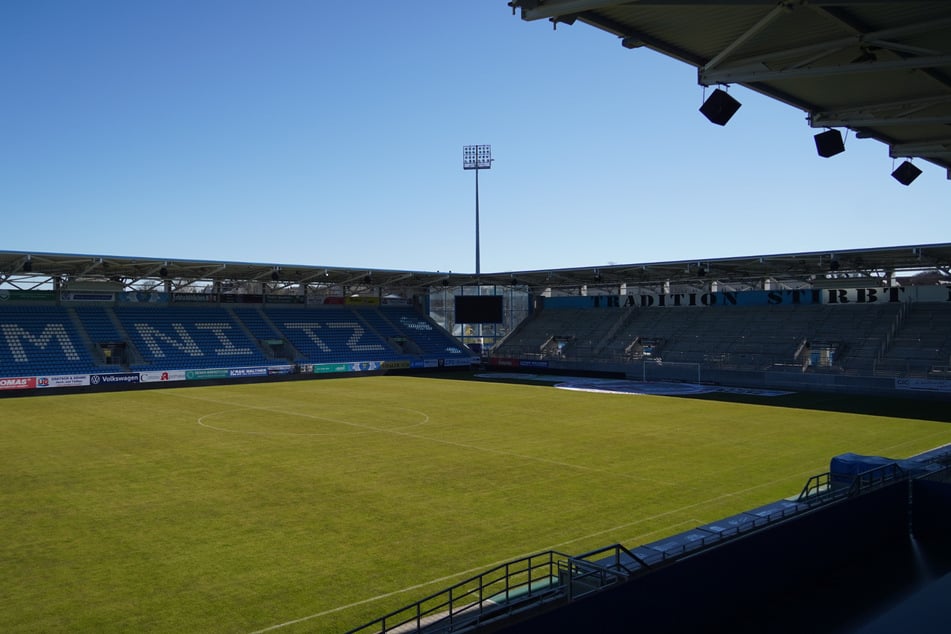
(314, 506)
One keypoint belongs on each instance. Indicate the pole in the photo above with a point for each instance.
(477, 222)
(475, 157)
(477, 271)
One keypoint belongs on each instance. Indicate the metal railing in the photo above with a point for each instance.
(493, 593)
(826, 487)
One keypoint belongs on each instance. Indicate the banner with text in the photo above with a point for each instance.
(797, 297)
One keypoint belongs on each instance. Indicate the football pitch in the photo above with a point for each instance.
(315, 506)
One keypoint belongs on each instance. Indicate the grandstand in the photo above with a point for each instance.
(789, 321)
(872, 320)
(54, 343)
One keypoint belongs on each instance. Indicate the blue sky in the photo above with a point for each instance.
(331, 133)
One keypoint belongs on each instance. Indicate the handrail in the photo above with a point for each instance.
(822, 487)
(818, 488)
(903, 309)
(617, 550)
(471, 600)
(875, 478)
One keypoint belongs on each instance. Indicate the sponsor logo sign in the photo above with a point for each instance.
(362, 301)
(458, 363)
(532, 363)
(197, 375)
(18, 383)
(365, 366)
(33, 296)
(88, 297)
(63, 380)
(165, 375)
(192, 297)
(243, 372)
(114, 379)
(926, 385)
(326, 368)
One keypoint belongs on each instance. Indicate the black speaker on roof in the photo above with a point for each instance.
(906, 173)
(829, 143)
(719, 107)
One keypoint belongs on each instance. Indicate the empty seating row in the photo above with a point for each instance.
(42, 339)
(754, 337)
(188, 337)
(331, 334)
(53, 339)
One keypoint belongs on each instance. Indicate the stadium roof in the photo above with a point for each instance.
(856, 267)
(881, 68)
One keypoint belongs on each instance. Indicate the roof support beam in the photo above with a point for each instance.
(894, 113)
(753, 76)
(911, 150)
(880, 39)
(95, 264)
(859, 122)
(779, 11)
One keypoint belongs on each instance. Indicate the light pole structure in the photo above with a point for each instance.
(476, 157)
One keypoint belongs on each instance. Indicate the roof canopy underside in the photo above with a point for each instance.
(881, 68)
(856, 267)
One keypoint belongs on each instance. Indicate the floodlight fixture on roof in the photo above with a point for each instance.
(719, 107)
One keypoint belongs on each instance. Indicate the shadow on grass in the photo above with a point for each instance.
(894, 407)
(924, 407)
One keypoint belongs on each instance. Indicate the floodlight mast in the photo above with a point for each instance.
(476, 157)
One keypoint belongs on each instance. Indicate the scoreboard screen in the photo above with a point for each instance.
(476, 309)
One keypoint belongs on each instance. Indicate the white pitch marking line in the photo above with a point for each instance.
(368, 428)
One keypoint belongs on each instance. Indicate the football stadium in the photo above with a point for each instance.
(755, 443)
